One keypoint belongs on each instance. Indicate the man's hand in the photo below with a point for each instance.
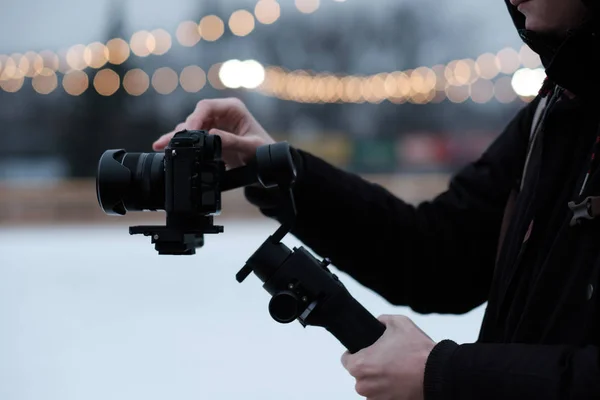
(229, 118)
(392, 368)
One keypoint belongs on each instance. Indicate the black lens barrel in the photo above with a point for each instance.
(130, 182)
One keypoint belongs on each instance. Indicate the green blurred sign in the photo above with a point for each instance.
(374, 155)
(331, 147)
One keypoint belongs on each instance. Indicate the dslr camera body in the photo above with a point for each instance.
(185, 181)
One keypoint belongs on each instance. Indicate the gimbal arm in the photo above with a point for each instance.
(273, 166)
(301, 286)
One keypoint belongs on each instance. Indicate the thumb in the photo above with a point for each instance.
(241, 144)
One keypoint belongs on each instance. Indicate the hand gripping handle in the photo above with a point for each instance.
(346, 319)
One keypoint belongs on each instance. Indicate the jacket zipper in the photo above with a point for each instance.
(556, 94)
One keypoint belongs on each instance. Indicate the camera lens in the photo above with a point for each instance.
(130, 182)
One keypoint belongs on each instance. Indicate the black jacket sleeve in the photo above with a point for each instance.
(435, 257)
(512, 371)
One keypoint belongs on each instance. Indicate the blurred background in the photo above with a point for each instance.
(404, 93)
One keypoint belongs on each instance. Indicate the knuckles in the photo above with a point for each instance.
(232, 102)
(394, 320)
(363, 389)
(357, 366)
(191, 122)
(201, 104)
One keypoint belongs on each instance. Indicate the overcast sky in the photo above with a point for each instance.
(42, 24)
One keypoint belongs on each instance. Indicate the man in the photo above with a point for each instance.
(502, 233)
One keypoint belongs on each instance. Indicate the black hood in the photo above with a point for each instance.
(571, 60)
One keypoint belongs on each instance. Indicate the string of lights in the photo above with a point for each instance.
(144, 43)
(505, 76)
(455, 81)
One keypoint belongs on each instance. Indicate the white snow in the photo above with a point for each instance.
(91, 313)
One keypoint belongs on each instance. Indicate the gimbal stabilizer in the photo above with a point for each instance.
(187, 180)
(301, 286)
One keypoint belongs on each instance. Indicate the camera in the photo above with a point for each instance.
(190, 167)
(186, 181)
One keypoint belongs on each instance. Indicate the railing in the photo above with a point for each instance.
(74, 202)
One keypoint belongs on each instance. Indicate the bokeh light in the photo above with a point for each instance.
(377, 84)
(162, 41)
(254, 74)
(165, 80)
(352, 89)
(487, 66)
(449, 73)
(230, 74)
(16, 66)
(482, 91)
(241, 23)
(267, 11)
(35, 64)
(422, 98)
(307, 6)
(192, 79)
(423, 80)
(75, 57)
(12, 85)
(503, 90)
(106, 82)
(460, 72)
(272, 81)
(211, 28)
(142, 43)
(213, 77)
(22, 63)
(457, 94)
(188, 33)
(508, 59)
(465, 71)
(136, 82)
(75, 82)
(45, 82)
(118, 51)
(96, 55)
(403, 86)
(527, 82)
(248, 74)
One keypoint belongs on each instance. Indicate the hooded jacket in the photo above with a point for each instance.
(496, 235)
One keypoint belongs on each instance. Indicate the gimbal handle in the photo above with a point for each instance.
(302, 287)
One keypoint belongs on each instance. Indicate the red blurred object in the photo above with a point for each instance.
(423, 148)
(427, 149)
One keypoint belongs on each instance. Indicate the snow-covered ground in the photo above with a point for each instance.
(91, 313)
